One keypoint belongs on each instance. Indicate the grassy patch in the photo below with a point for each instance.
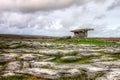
(22, 78)
(15, 78)
(82, 77)
(116, 56)
(3, 45)
(83, 41)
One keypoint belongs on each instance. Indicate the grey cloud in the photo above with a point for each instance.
(36, 5)
(115, 4)
(100, 16)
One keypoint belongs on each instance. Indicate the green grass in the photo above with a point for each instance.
(15, 78)
(82, 77)
(83, 41)
(115, 56)
(3, 45)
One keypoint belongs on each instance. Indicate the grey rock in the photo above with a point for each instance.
(113, 75)
(16, 65)
(108, 65)
(8, 74)
(25, 64)
(29, 57)
(35, 64)
(112, 50)
(91, 71)
(103, 58)
(70, 58)
(43, 73)
(69, 73)
(8, 57)
(55, 51)
(90, 54)
(49, 59)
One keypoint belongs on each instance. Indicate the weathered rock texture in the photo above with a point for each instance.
(55, 61)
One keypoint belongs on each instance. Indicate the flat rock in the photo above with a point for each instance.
(113, 75)
(103, 58)
(42, 73)
(90, 54)
(112, 50)
(91, 71)
(69, 73)
(11, 66)
(70, 58)
(29, 57)
(49, 59)
(35, 64)
(8, 74)
(106, 58)
(55, 51)
(8, 57)
(109, 65)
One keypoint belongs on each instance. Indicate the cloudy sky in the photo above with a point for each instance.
(58, 17)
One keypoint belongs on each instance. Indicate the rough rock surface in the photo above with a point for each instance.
(113, 75)
(8, 57)
(42, 64)
(29, 57)
(48, 60)
(44, 73)
(16, 65)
